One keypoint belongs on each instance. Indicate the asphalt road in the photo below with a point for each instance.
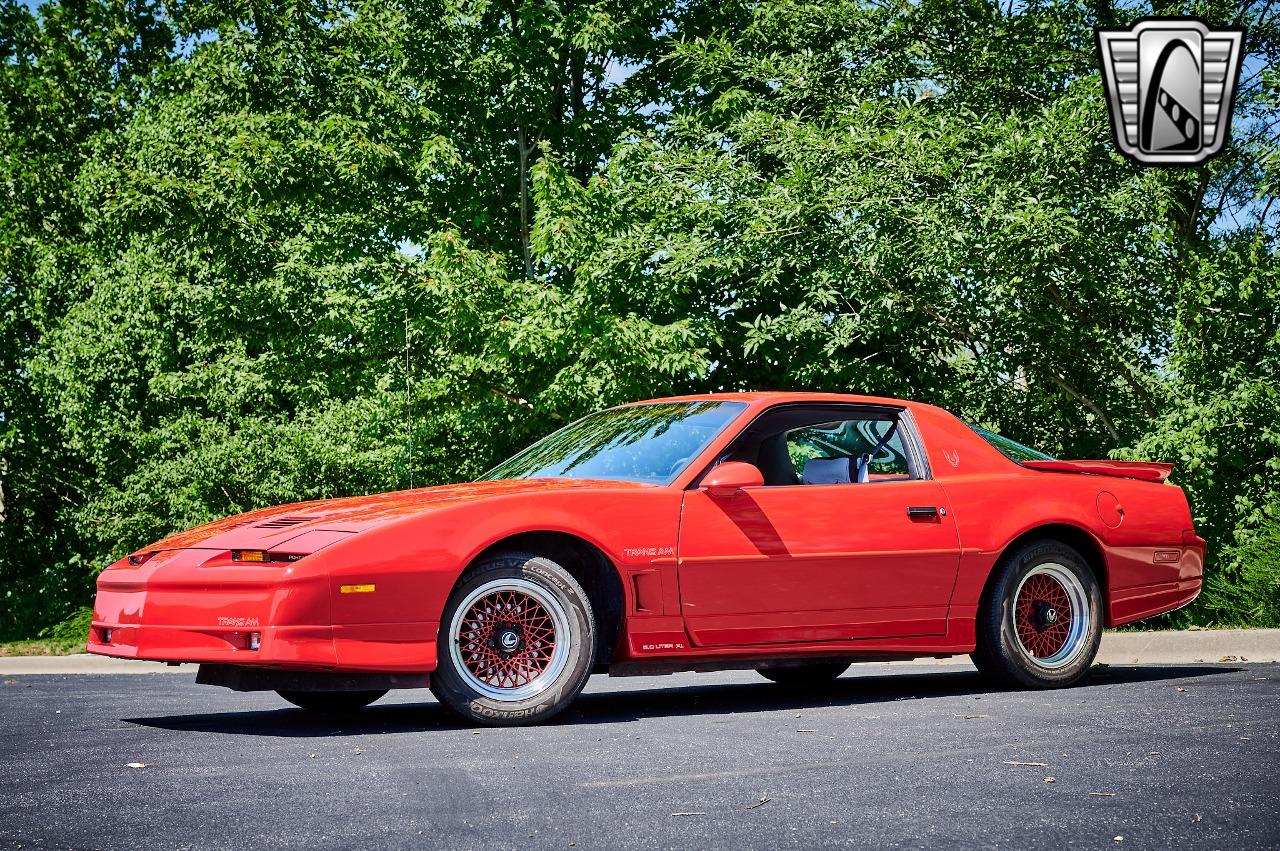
(1165, 757)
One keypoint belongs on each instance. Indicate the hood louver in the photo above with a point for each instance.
(283, 522)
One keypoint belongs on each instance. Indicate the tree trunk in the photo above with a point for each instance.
(580, 167)
(522, 153)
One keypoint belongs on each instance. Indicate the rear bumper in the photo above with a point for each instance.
(1153, 580)
(177, 608)
(1144, 601)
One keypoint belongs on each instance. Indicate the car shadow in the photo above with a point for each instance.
(868, 690)
(630, 705)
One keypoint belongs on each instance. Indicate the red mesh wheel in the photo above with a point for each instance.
(1040, 619)
(507, 639)
(517, 641)
(1043, 615)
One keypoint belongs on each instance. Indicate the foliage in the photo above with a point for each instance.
(1251, 596)
(61, 639)
(73, 630)
(1223, 426)
(254, 251)
(42, 647)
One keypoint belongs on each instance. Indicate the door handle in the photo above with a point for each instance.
(922, 511)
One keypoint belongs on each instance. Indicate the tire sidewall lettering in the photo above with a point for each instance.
(452, 690)
(1000, 653)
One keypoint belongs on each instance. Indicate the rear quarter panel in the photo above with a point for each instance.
(996, 502)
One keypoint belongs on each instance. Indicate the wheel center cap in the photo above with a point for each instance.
(1049, 615)
(509, 640)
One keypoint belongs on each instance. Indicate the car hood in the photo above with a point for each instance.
(268, 528)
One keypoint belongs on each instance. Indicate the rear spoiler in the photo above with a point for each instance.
(1149, 471)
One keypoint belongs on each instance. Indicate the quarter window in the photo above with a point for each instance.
(1010, 449)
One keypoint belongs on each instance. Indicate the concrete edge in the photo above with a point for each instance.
(84, 663)
(1201, 645)
(1118, 648)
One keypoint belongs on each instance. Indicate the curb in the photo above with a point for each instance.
(1118, 648)
(84, 663)
(1197, 645)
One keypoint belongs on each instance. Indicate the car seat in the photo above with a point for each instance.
(826, 471)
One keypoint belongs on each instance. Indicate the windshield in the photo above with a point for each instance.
(1011, 449)
(637, 443)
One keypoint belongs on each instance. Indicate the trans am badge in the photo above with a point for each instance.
(1170, 84)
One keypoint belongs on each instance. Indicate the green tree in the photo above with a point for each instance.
(258, 251)
(923, 199)
(282, 291)
(67, 75)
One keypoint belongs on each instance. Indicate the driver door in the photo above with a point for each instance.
(811, 556)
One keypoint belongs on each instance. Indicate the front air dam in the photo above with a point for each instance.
(245, 678)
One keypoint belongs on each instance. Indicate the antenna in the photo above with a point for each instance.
(408, 398)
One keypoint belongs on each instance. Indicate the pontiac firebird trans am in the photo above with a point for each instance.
(792, 533)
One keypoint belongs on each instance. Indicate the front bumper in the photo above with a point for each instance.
(180, 607)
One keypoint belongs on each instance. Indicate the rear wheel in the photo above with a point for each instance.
(517, 641)
(804, 676)
(1040, 622)
(331, 701)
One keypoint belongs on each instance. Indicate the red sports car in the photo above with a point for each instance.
(792, 533)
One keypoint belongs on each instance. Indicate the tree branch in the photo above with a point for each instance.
(1087, 402)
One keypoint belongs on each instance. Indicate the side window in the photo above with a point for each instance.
(825, 444)
(853, 450)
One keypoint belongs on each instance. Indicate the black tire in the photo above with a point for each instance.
(568, 659)
(804, 676)
(331, 702)
(1001, 653)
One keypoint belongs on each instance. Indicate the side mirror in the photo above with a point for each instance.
(731, 477)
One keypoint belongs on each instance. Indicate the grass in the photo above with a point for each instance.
(61, 639)
(42, 647)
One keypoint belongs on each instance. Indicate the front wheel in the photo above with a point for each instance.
(517, 641)
(1040, 622)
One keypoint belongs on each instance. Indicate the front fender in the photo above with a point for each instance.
(414, 563)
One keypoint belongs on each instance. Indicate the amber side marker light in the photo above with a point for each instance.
(357, 589)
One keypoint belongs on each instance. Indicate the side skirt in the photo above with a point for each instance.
(645, 668)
